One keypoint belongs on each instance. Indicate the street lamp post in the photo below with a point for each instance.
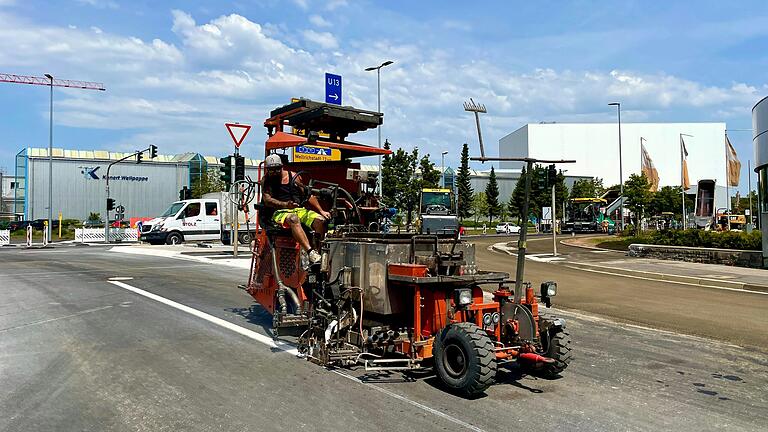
(442, 162)
(50, 164)
(621, 172)
(378, 99)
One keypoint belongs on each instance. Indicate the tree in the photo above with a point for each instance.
(588, 188)
(638, 195)
(492, 196)
(479, 205)
(430, 177)
(94, 216)
(207, 182)
(400, 187)
(540, 195)
(464, 186)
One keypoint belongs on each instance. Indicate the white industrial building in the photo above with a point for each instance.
(595, 147)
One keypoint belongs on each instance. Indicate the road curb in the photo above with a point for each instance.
(672, 278)
(567, 243)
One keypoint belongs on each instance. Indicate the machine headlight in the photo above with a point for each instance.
(487, 320)
(496, 317)
(462, 297)
(157, 227)
(548, 290)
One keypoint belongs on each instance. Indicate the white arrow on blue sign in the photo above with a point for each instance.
(333, 89)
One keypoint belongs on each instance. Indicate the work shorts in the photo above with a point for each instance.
(306, 217)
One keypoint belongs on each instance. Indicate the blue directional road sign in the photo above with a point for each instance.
(333, 89)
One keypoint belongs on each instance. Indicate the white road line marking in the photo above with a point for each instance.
(411, 402)
(258, 337)
(56, 319)
(55, 273)
(283, 346)
(669, 281)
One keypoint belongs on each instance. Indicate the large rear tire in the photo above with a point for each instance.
(464, 358)
(558, 349)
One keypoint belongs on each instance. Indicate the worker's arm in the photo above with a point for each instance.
(312, 202)
(269, 201)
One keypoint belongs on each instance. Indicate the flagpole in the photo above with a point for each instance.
(682, 178)
(727, 185)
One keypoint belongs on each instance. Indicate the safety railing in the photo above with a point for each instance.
(95, 235)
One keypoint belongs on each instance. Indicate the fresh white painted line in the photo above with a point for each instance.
(283, 346)
(266, 340)
(668, 281)
(411, 402)
(56, 319)
(120, 278)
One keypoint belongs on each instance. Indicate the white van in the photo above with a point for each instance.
(202, 219)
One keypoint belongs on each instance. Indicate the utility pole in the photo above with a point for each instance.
(683, 155)
(522, 243)
(554, 230)
(49, 81)
(621, 171)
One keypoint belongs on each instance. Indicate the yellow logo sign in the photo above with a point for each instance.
(311, 153)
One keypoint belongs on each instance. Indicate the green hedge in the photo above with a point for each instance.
(701, 238)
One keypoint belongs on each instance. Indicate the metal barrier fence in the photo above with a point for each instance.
(89, 235)
(5, 237)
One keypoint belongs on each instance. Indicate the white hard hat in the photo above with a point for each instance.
(273, 161)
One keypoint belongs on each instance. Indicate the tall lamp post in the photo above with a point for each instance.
(442, 162)
(378, 104)
(621, 171)
(49, 229)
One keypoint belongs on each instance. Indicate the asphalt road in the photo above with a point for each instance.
(81, 353)
(731, 316)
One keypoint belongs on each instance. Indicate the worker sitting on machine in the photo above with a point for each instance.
(279, 194)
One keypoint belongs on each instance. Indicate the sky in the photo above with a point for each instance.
(176, 71)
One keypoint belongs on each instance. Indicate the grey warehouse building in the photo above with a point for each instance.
(79, 182)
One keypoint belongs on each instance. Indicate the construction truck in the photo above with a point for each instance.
(585, 215)
(437, 211)
(384, 300)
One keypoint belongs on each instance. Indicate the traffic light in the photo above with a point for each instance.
(152, 151)
(540, 174)
(139, 156)
(551, 175)
(185, 193)
(110, 204)
(239, 168)
(226, 171)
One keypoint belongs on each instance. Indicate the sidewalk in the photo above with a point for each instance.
(712, 275)
(678, 271)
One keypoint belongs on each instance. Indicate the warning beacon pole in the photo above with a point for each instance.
(234, 205)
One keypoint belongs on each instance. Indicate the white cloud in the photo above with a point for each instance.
(324, 40)
(99, 4)
(178, 94)
(319, 21)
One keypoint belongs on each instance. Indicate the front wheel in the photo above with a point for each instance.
(174, 238)
(557, 347)
(464, 358)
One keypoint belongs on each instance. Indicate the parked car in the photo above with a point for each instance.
(93, 223)
(507, 228)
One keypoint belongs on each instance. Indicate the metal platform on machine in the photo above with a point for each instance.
(335, 120)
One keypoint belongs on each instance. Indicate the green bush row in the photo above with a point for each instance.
(701, 238)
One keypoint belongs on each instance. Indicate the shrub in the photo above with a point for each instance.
(701, 238)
